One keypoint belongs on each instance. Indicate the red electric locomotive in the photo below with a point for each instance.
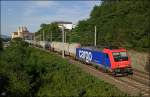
(114, 60)
(119, 60)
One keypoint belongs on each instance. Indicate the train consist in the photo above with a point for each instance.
(114, 60)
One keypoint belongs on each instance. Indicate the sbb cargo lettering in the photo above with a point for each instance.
(85, 55)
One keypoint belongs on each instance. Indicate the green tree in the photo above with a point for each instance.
(50, 31)
(118, 22)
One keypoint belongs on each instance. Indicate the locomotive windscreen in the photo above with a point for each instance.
(120, 56)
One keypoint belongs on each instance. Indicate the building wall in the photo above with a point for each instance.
(23, 33)
(28, 36)
(14, 36)
(20, 34)
(67, 26)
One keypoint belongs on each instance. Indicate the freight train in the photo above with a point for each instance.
(113, 60)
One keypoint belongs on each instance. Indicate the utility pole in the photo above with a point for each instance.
(34, 36)
(65, 36)
(43, 36)
(51, 36)
(43, 40)
(34, 40)
(95, 37)
(63, 41)
(40, 36)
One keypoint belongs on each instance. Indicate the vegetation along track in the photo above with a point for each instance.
(130, 83)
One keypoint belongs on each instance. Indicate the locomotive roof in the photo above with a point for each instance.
(101, 48)
(93, 48)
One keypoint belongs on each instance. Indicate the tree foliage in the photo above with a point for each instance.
(51, 32)
(119, 22)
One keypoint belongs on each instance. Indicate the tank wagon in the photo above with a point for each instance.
(69, 49)
(44, 44)
(115, 61)
(31, 42)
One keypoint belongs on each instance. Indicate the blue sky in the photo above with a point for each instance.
(34, 13)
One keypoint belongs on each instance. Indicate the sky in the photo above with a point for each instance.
(33, 13)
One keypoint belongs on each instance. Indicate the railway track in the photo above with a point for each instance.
(144, 89)
(138, 82)
(140, 77)
(145, 81)
(145, 75)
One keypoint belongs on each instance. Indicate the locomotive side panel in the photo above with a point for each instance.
(93, 57)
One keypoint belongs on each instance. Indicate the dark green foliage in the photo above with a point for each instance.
(35, 73)
(119, 22)
(12, 67)
(96, 66)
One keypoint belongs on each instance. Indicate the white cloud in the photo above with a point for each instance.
(92, 3)
(45, 3)
(60, 12)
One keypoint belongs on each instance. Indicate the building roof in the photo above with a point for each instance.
(27, 33)
(63, 22)
(15, 33)
(24, 32)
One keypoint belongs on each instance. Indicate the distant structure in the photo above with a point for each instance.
(22, 33)
(67, 25)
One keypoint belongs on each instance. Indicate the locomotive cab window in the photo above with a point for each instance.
(120, 56)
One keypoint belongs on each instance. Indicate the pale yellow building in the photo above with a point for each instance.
(22, 33)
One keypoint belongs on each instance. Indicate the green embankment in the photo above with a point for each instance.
(30, 72)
